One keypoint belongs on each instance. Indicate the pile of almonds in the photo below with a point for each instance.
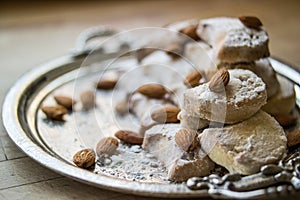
(65, 103)
(86, 158)
(107, 146)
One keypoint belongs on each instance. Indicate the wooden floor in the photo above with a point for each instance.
(32, 33)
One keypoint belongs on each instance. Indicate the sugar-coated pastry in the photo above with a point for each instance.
(246, 146)
(232, 41)
(160, 141)
(244, 95)
(263, 69)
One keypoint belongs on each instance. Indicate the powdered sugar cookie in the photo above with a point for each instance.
(232, 41)
(245, 147)
(244, 95)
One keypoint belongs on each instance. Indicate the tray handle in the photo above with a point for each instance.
(82, 48)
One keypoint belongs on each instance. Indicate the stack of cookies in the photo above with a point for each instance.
(245, 137)
(228, 115)
(241, 43)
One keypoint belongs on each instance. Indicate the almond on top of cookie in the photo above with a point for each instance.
(242, 97)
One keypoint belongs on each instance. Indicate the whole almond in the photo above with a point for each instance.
(174, 50)
(155, 91)
(166, 114)
(286, 120)
(107, 146)
(129, 137)
(65, 101)
(142, 53)
(251, 21)
(193, 79)
(55, 112)
(122, 108)
(106, 84)
(293, 138)
(88, 100)
(219, 81)
(191, 32)
(84, 158)
(186, 139)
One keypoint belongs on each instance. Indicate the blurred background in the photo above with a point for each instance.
(33, 32)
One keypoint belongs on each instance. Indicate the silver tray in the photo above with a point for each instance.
(52, 145)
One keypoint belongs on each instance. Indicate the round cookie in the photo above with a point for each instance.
(244, 95)
(261, 68)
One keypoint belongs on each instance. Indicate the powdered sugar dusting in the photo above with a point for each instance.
(132, 163)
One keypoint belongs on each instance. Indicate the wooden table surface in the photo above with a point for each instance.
(33, 33)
